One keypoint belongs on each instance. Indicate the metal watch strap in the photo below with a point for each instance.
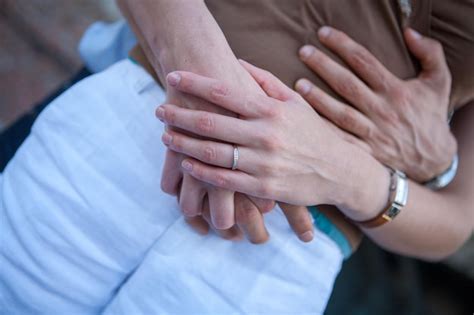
(444, 178)
(397, 200)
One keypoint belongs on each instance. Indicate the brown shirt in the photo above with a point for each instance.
(269, 33)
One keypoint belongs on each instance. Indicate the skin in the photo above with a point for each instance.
(273, 164)
(182, 34)
(394, 120)
(180, 22)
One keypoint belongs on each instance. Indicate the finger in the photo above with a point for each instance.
(212, 125)
(172, 174)
(269, 83)
(263, 205)
(250, 220)
(226, 179)
(232, 234)
(343, 81)
(198, 224)
(342, 115)
(221, 205)
(431, 56)
(211, 152)
(359, 59)
(191, 196)
(221, 94)
(300, 221)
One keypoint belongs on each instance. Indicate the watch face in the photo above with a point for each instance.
(393, 211)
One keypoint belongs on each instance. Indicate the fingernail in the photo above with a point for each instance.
(306, 236)
(306, 51)
(303, 86)
(415, 34)
(173, 78)
(324, 31)
(160, 113)
(166, 138)
(187, 165)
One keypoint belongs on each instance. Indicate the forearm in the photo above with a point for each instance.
(435, 223)
(182, 35)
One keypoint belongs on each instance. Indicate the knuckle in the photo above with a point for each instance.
(245, 214)
(205, 123)
(186, 81)
(274, 111)
(271, 142)
(198, 172)
(302, 222)
(209, 154)
(266, 206)
(360, 59)
(400, 95)
(177, 143)
(347, 117)
(265, 188)
(220, 180)
(267, 108)
(267, 167)
(348, 87)
(365, 131)
(218, 90)
(170, 116)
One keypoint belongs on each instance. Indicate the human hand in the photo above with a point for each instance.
(287, 153)
(250, 221)
(202, 48)
(403, 124)
(206, 206)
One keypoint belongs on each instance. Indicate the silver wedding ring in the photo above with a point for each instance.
(236, 158)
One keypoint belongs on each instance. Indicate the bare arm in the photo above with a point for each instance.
(183, 35)
(434, 224)
(309, 157)
(404, 125)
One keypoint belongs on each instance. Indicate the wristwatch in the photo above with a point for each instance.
(444, 178)
(397, 200)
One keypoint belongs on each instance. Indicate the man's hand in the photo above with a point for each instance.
(403, 124)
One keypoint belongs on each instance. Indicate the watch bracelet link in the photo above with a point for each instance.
(445, 178)
(398, 198)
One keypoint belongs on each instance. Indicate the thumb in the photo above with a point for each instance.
(431, 56)
(270, 84)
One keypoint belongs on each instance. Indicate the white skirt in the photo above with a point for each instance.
(86, 229)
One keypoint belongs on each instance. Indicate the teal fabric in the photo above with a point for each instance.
(327, 227)
(133, 60)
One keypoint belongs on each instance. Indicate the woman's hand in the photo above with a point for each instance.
(403, 124)
(286, 151)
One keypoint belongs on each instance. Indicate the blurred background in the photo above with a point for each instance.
(38, 56)
(38, 40)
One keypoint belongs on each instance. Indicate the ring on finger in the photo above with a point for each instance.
(235, 160)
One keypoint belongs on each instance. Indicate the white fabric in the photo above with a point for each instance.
(103, 44)
(86, 229)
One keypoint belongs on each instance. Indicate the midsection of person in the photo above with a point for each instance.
(90, 212)
(269, 33)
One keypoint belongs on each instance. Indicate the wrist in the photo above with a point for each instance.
(368, 191)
